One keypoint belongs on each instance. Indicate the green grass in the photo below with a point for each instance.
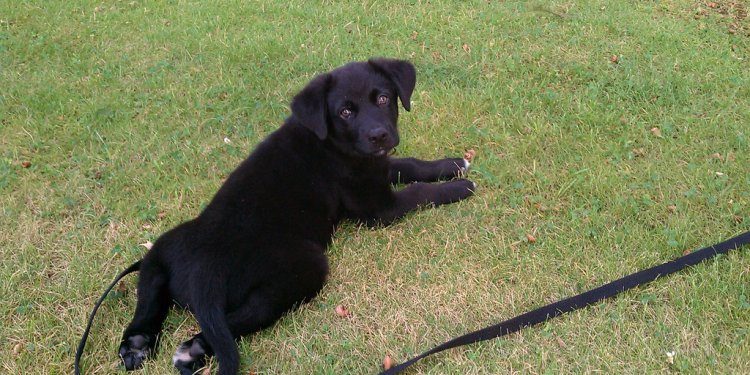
(122, 109)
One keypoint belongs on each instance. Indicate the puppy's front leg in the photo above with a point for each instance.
(421, 194)
(407, 170)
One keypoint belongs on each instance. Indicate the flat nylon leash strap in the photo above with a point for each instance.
(582, 300)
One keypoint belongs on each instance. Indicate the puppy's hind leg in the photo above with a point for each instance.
(208, 305)
(191, 355)
(257, 313)
(154, 301)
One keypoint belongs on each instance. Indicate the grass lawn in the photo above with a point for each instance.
(616, 133)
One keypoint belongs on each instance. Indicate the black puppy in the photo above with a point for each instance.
(258, 249)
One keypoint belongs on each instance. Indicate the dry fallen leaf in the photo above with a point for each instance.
(122, 288)
(414, 35)
(686, 252)
(25, 163)
(672, 208)
(716, 156)
(17, 349)
(343, 312)
(470, 154)
(670, 357)
(656, 131)
(466, 48)
(530, 237)
(388, 362)
(561, 343)
(712, 5)
(614, 59)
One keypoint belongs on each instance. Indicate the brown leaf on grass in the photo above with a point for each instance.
(561, 343)
(712, 5)
(672, 208)
(161, 215)
(470, 154)
(656, 131)
(26, 164)
(343, 312)
(17, 349)
(639, 152)
(716, 156)
(530, 237)
(388, 363)
(122, 288)
(414, 35)
(466, 48)
(614, 59)
(686, 252)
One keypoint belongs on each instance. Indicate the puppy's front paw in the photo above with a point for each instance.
(459, 167)
(135, 349)
(465, 168)
(457, 190)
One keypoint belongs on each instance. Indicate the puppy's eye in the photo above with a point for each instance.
(382, 100)
(345, 113)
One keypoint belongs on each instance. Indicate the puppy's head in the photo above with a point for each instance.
(355, 107)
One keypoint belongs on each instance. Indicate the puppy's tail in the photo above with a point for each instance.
(77, 364)
(213, 321)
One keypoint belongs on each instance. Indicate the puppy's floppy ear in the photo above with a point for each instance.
(309, 107)
(403, 75)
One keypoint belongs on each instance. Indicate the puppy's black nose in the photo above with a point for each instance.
(378, 136)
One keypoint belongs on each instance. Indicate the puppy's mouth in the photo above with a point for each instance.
(381, 153)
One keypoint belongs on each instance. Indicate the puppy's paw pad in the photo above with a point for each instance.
(134, 350)
(190, 356)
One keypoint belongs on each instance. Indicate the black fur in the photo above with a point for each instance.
(258, 249)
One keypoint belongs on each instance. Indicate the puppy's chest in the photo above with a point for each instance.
(362, 192)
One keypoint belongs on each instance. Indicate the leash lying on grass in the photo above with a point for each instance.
(582, 300)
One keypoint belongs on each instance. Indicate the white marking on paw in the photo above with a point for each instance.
(466, 165)
(182, 355)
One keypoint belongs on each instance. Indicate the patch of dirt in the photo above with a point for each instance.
(733, 13)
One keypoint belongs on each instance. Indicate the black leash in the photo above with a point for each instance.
(77, 364)
(582, 300)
